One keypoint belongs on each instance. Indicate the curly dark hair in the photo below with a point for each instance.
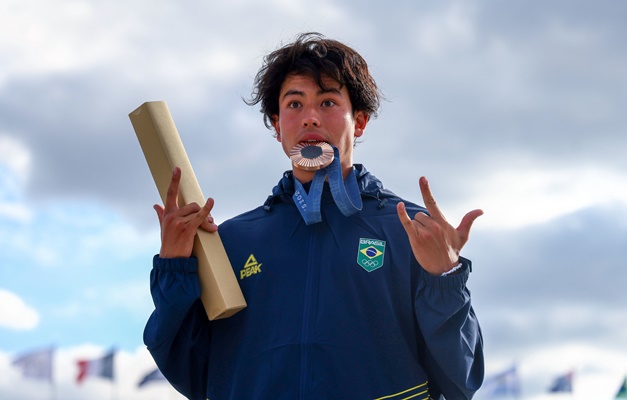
(317, 56)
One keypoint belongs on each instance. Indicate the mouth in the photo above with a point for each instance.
(312, 141)
(312, 137)
(311, 155)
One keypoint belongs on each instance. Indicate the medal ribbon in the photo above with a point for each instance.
(345, 192)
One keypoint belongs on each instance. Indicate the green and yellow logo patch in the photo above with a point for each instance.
(370, 254)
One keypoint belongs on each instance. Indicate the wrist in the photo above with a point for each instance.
(455, 270)
(459, 267)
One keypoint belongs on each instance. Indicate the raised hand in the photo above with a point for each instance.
(435, 243)
(179, 225)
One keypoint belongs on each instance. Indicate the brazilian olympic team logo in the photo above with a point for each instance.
(370, 254)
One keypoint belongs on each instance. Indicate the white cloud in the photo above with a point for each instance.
(15, 156)
(531, 194)
(15, 166)
(75, 232)
(95, 301)
(301, 10)
(78, 35)
(32, 22)
(445, 30)
(15, 313)
(18, 212)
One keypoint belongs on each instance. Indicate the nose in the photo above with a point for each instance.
(310, 119)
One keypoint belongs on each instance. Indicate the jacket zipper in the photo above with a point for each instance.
(308, 305)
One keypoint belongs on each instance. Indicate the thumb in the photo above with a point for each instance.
(464, 227)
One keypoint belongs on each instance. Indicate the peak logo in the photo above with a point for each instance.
(251, 267)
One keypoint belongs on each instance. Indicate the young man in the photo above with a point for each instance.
(349, 297)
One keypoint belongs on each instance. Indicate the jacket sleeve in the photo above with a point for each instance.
(453, 344)
(177, 332)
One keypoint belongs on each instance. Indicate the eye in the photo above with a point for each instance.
(328, 103)
(293, 104)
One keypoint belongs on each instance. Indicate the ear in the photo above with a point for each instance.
(277, 128)
(361, 120)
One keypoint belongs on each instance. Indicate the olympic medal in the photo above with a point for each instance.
(311, 156)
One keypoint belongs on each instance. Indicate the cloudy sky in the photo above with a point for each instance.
(515, 107)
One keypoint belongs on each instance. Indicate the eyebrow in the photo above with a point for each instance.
(294, 92)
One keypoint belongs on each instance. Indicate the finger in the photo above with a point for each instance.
(159, 211)
(171, 199)
(209, 224)
(205, 218)
(189, 210)
(429, 200)
(466, 224)
(404, 218)
(422, 218)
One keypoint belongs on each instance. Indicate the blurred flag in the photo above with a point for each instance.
(503, 383)
(154, 376)
(36, 364)
(563, 383)
(102, 367)
(622, 391)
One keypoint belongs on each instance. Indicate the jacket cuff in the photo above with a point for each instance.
(184, 265)
(452, 281)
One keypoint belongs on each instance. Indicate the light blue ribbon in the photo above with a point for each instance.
(345, 192)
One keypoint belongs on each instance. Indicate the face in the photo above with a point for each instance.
(309, 113)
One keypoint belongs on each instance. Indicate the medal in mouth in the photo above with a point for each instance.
(311, 156)
(324, 159)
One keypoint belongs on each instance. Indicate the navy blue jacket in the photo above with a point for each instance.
(333, 312)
